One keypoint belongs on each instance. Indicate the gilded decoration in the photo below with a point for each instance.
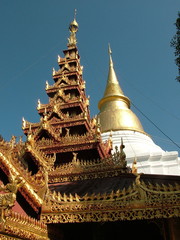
(46, 161)
(73, 27)
(78, 169)
(8, 194)
(68, 140)
(11, 161)
(22, 227)
(139, 201)
(12, 223)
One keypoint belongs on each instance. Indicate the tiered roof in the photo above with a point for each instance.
(66, 131)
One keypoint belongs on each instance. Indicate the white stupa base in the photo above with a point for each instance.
(151, 159)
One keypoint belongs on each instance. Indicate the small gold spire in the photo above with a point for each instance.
(115, 113)
(113, 89)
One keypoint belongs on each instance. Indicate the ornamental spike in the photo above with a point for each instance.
(53, 72)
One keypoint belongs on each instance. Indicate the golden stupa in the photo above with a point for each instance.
(115, 113)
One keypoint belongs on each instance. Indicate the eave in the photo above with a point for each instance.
(140, 200)
(27, 190)
(16, 226)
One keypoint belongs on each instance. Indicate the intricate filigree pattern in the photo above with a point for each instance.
(139, 201)
(22, 227)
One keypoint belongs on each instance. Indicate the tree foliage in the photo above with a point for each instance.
(175, 43)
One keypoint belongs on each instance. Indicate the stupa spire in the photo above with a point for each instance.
(112, 88)
(115, 113)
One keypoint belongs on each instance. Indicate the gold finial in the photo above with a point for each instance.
(75, 12)
(110, 55)
(47, 85)
(109, 49)
(23, 123)
(53, 71)
(39, 104)
(73, 27)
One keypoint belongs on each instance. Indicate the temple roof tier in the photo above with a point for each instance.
(123, 197)
(68, 143)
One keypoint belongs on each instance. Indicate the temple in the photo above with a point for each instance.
(69, 180)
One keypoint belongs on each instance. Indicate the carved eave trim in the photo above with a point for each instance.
(15, 159)
(42, 107)
(140, 201)
(44, 126)
(73, 104)
(55, 176)
(69, 60)
(26, 187)
(43, 160)
(16, 226)
(63, 81)
(67, 121)
(26, 125)
(66, 74)
(79, 120)
(66, 144)
(80, 170)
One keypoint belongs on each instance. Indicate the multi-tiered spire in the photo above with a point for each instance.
(65, 131)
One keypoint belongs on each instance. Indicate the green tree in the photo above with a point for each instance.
(175, 43)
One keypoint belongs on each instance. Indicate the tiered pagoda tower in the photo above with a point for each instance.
(65, 132)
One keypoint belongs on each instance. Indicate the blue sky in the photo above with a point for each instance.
(34, 32)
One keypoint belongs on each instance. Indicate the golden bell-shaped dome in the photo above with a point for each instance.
(73, 27)
(115, 113)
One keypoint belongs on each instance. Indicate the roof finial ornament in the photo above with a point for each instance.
(110, 55)
(109, 49)
(75, 12)
(73, 28)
